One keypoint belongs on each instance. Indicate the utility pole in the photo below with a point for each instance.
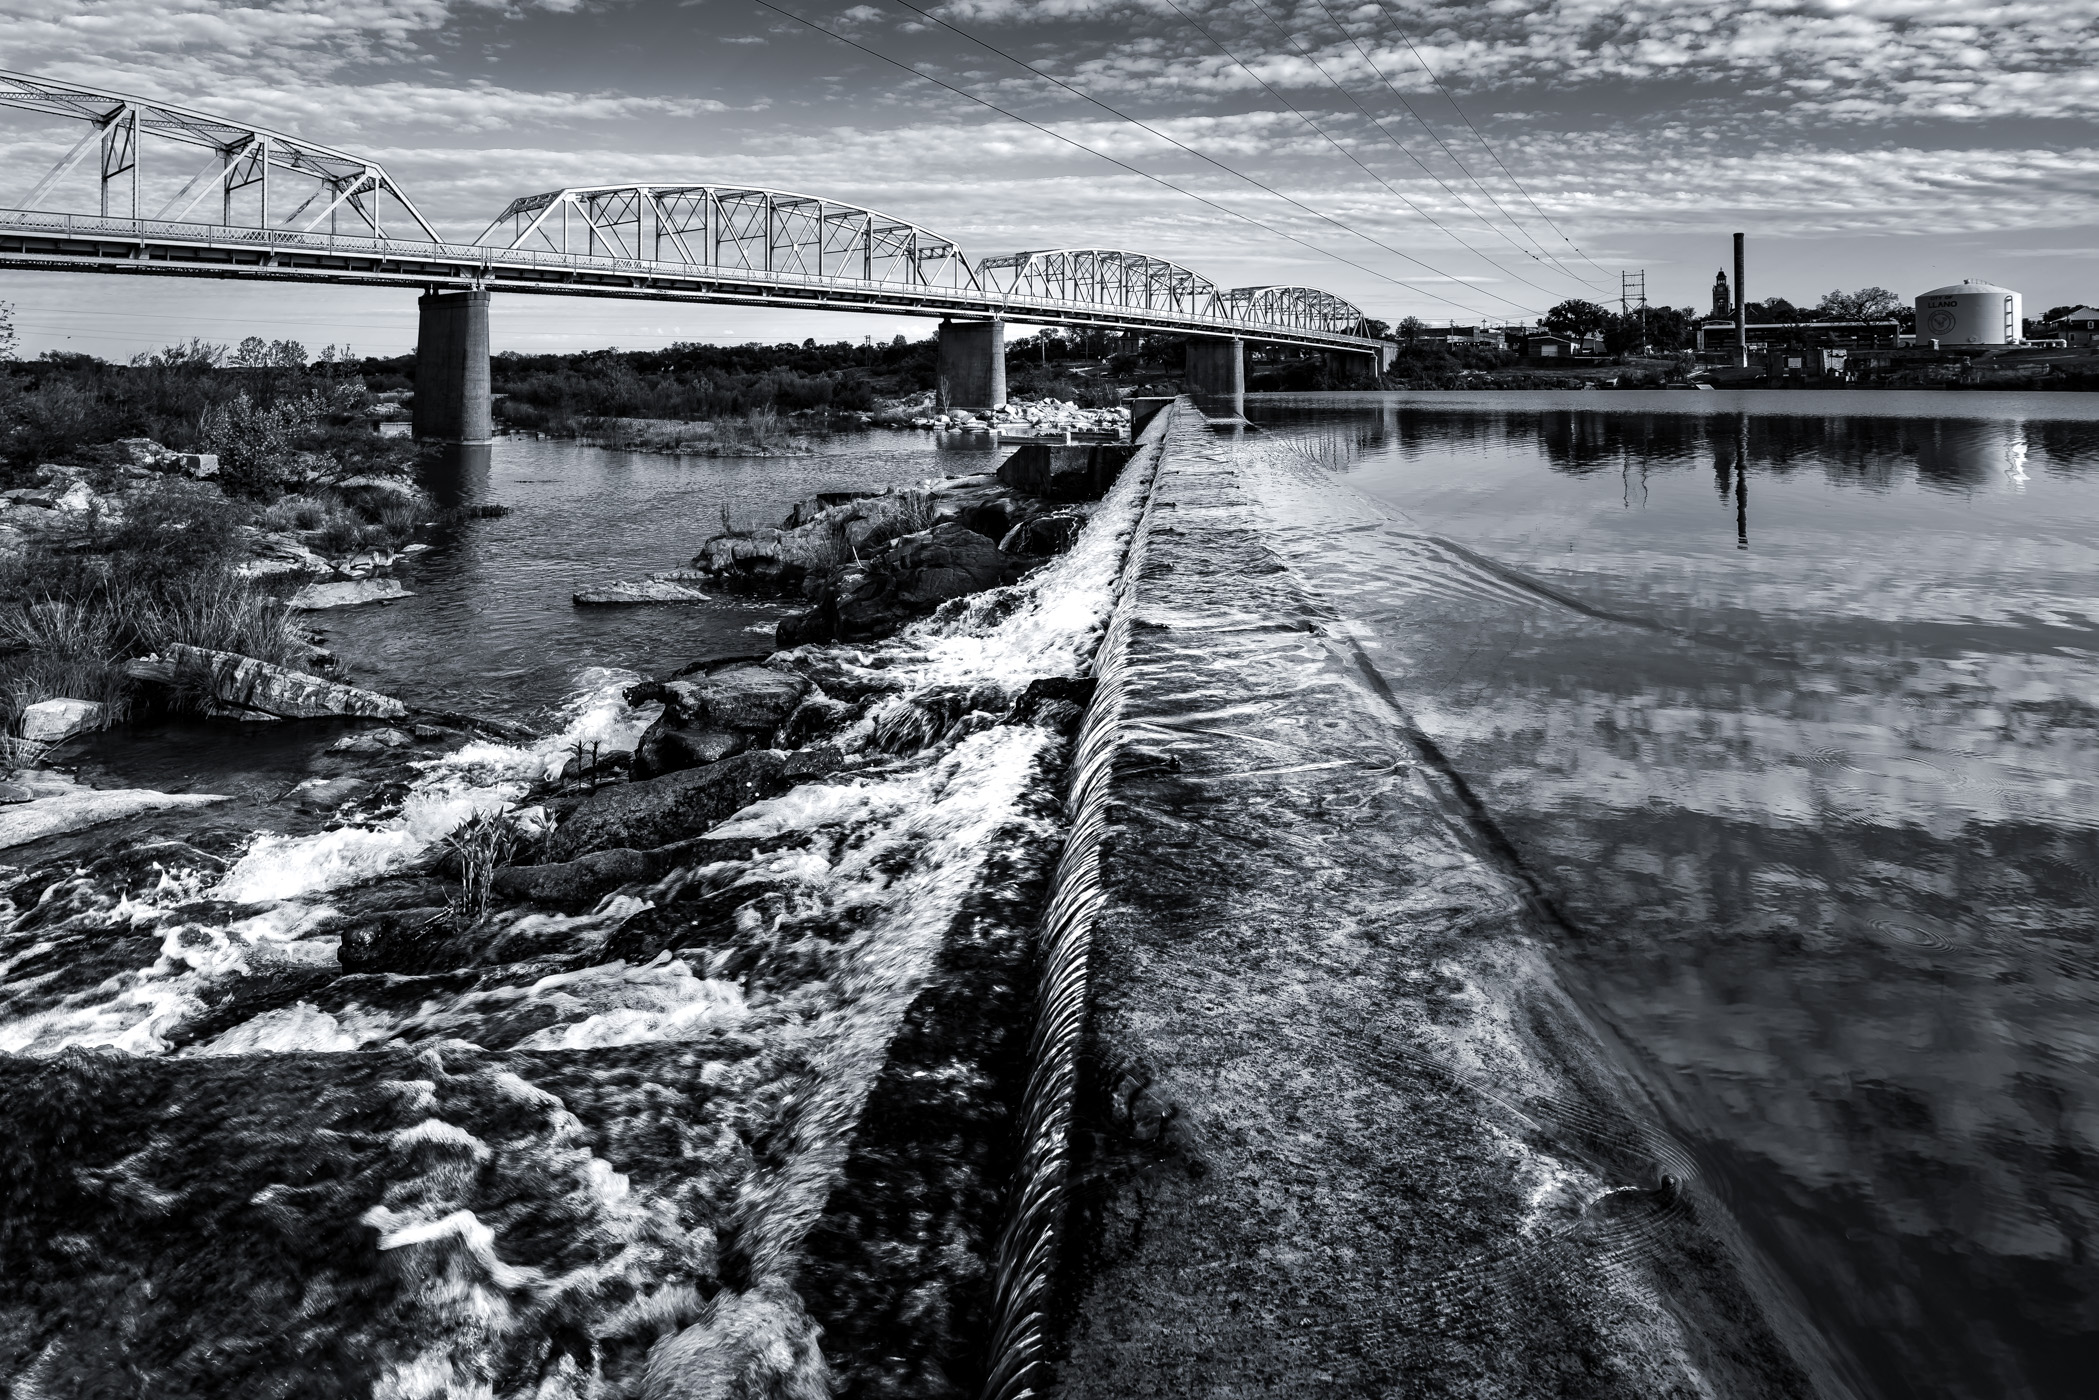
(1741, 310)
(1632, 289)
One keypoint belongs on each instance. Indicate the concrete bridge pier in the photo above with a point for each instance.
(973, 364)
(1216, 375)
(1355, 371)
(451, 369)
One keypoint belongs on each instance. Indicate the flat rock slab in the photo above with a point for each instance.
(1343, 1133)
(57, 813)
(316, 597)
(676, 806)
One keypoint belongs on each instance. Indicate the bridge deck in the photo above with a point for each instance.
(40, 241)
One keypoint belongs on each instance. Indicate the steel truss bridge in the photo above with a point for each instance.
(262, 205)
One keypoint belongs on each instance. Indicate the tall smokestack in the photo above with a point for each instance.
(1741, 311)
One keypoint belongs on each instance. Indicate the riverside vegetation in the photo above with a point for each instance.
(179, 501)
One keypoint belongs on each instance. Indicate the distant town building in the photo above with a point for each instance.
(2080, 327)
(1549, 347)
(1723, 300)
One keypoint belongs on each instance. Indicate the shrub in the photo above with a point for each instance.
(257, 443)
(297, 512)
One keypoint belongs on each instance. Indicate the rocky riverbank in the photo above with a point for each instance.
(702, 969)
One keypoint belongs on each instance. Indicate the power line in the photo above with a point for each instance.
(1292, 40)
(1408, 41)
(1307, 120)
(1162, 136)
(1442, 145)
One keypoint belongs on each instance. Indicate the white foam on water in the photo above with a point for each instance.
(137, 1011)
(477, 778)
(300, 1027)
(632, 1006)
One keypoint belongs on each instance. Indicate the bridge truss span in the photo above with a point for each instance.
(1294, 308)
(252, 176)
(1101, 277)
(734, 229)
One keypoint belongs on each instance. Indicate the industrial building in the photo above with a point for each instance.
(1718, 336)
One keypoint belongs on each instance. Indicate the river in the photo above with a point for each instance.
(1787, 704)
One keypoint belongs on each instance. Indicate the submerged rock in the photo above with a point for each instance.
(316, 596)
(244, 684)
(674, 586)
(377, 741)
(327, 794)
(53, 813)
(658, 811)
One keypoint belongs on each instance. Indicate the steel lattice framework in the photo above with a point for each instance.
(1300, 308)
(344, 220)
(1101, 277)
(243, 158)
(735, 228)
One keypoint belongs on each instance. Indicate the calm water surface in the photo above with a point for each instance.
(1790, 704)
(492, 628)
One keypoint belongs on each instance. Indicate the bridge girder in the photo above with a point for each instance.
(243, 156)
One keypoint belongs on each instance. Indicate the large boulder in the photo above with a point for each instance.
(243, 685)
(904, 582)
(53, 721)
(708, 719)
(658, 811)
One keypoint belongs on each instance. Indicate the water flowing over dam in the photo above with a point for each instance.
(1175, 989)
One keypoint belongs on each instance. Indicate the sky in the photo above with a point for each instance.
(1460, 162)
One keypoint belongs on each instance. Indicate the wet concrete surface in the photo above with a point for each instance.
(1342, 1131)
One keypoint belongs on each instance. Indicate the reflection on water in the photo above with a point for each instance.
(1791, 705)
(492, 628)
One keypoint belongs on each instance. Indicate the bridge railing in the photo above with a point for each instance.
(474, 259)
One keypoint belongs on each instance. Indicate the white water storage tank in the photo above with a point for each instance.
(1971, 313)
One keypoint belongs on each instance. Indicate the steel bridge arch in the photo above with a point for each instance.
(244, 157)
(739, 228)
(1100, 277)
(1292, 308)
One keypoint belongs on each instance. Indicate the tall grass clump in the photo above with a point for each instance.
(71, 618)
(479, 845)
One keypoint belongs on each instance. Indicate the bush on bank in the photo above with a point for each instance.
(272, 418)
